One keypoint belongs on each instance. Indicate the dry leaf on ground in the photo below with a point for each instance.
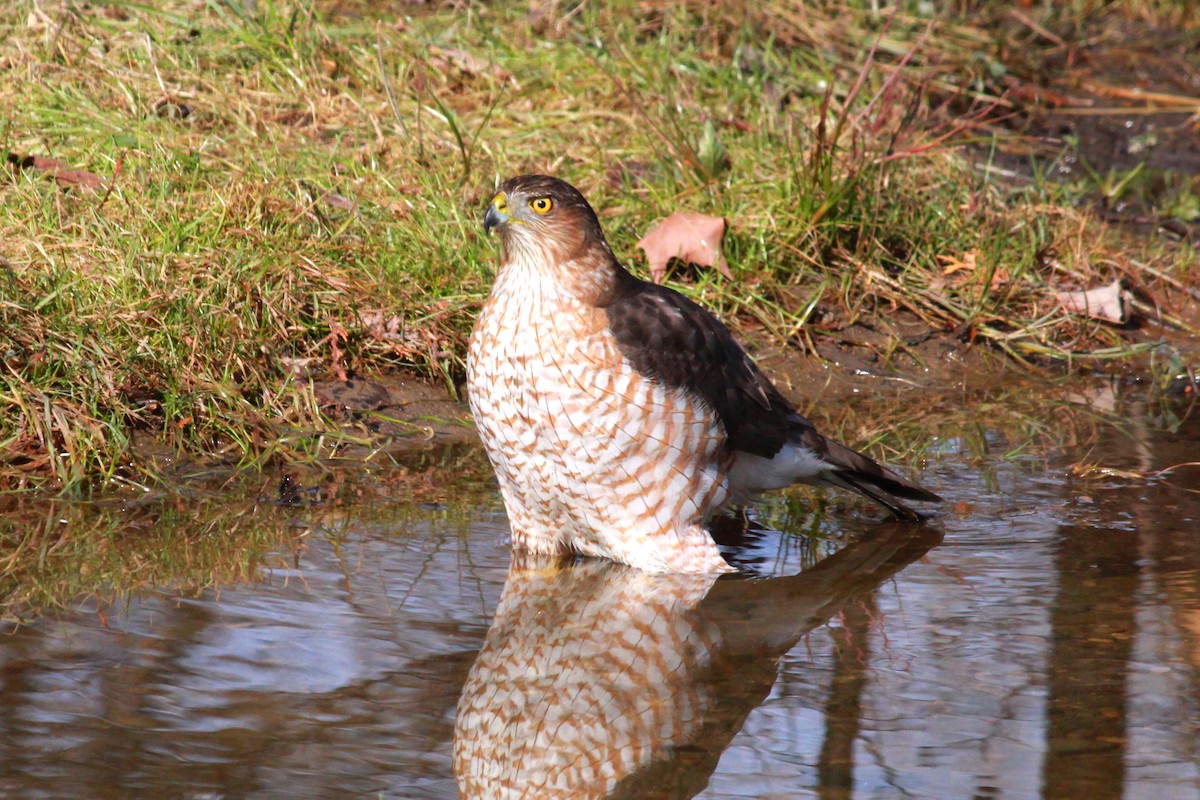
(694, 238)
(61, 171)
(1104, 302)
(338, 201)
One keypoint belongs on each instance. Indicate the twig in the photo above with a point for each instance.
(1165, 470)
(1183, 102)
(1036, 28)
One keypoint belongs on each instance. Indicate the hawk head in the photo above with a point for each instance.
(545, 219)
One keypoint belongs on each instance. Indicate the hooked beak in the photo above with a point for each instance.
(495, 216)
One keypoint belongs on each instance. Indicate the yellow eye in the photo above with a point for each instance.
(541, 205)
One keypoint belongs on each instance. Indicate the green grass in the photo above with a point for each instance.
(293, 190)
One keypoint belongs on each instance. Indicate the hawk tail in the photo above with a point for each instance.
(859, 473)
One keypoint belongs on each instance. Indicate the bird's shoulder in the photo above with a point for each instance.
(677, 342)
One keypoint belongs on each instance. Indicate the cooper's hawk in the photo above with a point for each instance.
(618, 414)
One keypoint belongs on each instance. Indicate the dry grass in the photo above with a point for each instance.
(278, 191)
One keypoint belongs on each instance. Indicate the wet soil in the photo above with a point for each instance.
(410, 416)
(1117, 108)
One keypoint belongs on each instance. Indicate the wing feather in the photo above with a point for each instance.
(668, 337)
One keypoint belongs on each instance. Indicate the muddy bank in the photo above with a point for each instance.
(857, 386)
(1117, 113)
(406, 420)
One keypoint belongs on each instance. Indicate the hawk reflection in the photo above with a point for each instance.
(601, 681)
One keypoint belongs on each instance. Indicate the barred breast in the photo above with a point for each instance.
(592, 456)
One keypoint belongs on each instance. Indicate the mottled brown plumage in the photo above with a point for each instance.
(618, 414)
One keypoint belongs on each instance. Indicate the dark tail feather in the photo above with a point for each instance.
(871, 479)
(855, 483)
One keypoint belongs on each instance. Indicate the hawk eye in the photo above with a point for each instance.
(541, 205)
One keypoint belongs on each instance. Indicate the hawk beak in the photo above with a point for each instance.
(495, 216)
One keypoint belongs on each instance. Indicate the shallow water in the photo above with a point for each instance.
(1041, 639)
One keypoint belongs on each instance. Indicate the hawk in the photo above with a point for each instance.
(619, 416)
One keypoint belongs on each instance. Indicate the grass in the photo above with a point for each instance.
(276, 192)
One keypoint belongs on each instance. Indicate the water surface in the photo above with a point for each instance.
(1041, 639)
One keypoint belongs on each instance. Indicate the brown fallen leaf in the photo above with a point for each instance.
(61, 171)
(1105, 302)
(694, 238)
(338, 201)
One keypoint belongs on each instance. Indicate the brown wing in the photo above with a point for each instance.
(673, 340)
